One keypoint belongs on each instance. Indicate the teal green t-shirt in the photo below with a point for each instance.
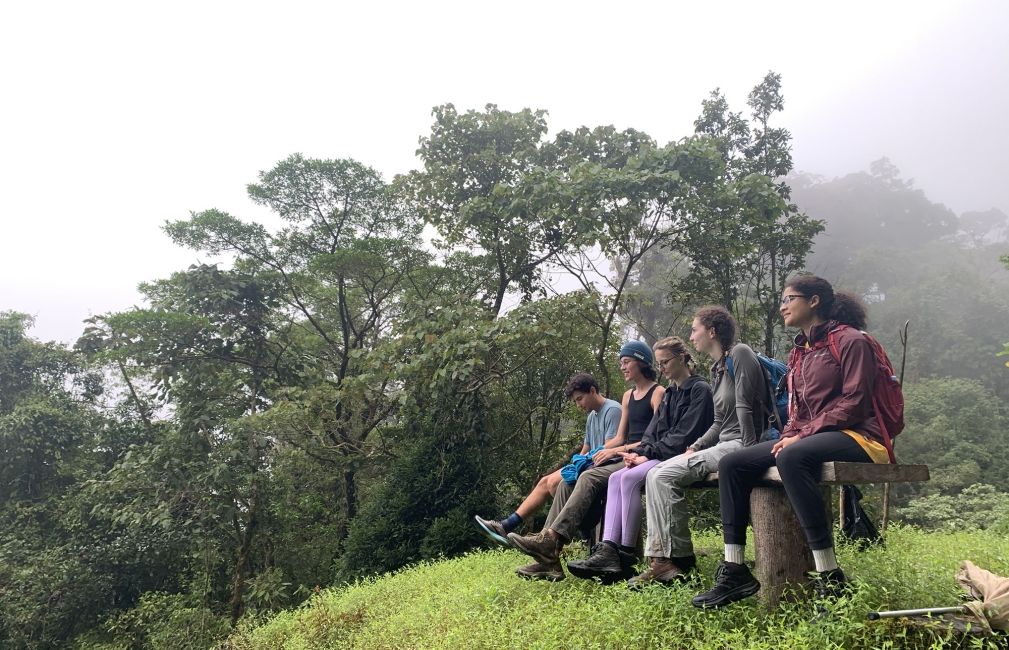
(602, 425)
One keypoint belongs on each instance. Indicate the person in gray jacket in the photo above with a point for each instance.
(739, 390)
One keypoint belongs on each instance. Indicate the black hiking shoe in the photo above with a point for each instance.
(830, 585)
(493, 529)
(732, 582)
(539, 571)
(604, 563)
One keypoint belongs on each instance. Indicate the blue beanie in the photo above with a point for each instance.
(637, 350)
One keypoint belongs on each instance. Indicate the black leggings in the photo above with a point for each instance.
(799, 467)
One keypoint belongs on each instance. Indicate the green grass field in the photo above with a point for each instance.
(476, 601)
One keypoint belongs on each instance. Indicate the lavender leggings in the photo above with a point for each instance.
(623, 504)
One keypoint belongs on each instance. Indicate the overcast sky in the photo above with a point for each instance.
(116, 116)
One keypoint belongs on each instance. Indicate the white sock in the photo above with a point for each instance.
(824, 559)
(734, 553)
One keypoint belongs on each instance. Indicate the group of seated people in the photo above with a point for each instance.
(664, 439)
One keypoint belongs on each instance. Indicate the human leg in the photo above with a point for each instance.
(799, 467)
(616, 556)
(613, 520)
(588, 490)
(738, 471)
(539, 495)
(667, 513)
(566, 514)
(631, 483)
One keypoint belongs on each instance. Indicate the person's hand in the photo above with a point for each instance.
(781, 444)
(689, 451)
(631, 459)
(637, 460)
(602, 456)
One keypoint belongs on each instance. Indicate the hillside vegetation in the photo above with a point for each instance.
(475, 601)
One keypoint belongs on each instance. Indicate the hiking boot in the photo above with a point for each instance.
(732, 582)
(544, 547)
(664, 571)
(830, 585)
(493, 529)
(604, 562)
(538, 571)
(628, 563)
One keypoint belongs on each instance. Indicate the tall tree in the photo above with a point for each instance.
(478, 188)
(746, 242)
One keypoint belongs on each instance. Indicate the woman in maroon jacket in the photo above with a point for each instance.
(830, 419)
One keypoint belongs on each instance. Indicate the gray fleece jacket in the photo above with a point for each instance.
(739, 400)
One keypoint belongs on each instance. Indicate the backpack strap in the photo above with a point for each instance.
(835, 351)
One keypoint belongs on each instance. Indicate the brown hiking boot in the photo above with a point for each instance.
(662, 571)
(538, 571)
(544, 547)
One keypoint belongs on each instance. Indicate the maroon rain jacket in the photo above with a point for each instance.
(824, 395)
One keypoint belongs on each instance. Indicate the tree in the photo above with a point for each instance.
(630, 207)
(474, 190)
(745, 241)
(875, 208)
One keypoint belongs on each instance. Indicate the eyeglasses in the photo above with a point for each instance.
(662, 362)
(790, 297)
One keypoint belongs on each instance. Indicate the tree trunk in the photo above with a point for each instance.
(782, 556)
(237, 604)
(604, 376)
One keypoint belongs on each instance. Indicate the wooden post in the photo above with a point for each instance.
(783, 557)
(886, 508)
(840, 507)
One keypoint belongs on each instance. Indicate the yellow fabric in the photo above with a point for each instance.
(876, 451)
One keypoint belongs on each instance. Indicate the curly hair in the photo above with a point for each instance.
(581, 382)
(719, 318)
(843, 306)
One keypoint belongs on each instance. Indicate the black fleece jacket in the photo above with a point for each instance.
(683, 415)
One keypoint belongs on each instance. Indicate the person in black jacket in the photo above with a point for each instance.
(686, 412)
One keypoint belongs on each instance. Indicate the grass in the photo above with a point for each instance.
(476, 601)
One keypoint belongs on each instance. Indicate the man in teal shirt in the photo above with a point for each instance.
(600, 426)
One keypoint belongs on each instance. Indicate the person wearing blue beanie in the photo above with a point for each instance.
(638, 350)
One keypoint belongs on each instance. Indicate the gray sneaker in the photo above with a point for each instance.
(538, 571)
(494, 530)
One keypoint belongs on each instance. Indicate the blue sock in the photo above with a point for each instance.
(511, 522)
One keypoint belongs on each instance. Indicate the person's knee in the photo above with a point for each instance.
(628, 482)
(792, 458)
(730, 463)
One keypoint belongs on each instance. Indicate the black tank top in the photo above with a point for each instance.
(639, 414)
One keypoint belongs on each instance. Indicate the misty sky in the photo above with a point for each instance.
(116, 116)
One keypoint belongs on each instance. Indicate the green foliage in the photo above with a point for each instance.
(978, 507)
(746, 237)
(476, 601)
(159, 622)
(465, 380)
(957, 427)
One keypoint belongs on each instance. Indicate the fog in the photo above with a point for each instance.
(118, 116)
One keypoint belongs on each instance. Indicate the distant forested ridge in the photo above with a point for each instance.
(341, 395)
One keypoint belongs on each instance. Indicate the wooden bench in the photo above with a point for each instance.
(782, 556)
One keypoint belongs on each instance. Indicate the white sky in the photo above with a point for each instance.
(117, 116)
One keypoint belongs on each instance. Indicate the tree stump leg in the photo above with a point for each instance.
(782, 556)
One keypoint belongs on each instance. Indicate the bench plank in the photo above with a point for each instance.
(838, 473)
